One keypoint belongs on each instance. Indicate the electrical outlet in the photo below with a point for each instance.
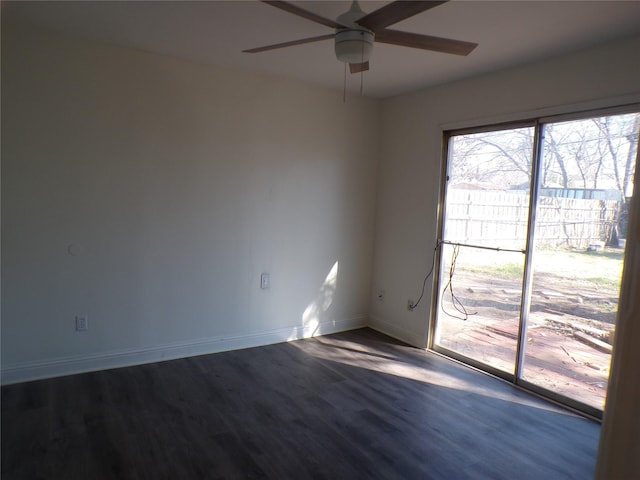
(82, 323)
(265, 281)
(410, 305)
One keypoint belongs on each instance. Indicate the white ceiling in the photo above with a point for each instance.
(509, 33)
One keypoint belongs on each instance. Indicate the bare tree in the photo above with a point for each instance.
(620, 143)
(499, 158)
(597, 153)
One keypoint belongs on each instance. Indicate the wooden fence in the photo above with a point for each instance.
(500, 219)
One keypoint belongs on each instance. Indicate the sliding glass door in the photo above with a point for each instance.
(586, 177)
(482, 257)
(531, 252)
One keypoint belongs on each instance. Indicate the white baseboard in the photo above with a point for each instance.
(125, 358)
(399, 333)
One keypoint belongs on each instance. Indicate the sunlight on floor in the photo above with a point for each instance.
(355, 355)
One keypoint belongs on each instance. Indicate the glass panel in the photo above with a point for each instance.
(479, 306)
(487, 204)
(585, 186)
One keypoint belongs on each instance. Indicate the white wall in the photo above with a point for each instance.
(411, 159)
(177, 184)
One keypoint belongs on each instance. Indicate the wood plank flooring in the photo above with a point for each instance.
(355, 405)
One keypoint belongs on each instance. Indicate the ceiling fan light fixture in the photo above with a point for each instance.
(353, 45)
(355, 31)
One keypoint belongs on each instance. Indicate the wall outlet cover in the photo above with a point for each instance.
(82, 323)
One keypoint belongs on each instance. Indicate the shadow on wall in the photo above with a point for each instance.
(315, 313)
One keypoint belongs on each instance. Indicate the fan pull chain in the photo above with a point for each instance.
(362, 71)
(361, 62)
(344, 86)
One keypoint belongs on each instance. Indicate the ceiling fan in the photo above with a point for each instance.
(355, 32)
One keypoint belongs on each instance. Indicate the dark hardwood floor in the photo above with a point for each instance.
(355, 405)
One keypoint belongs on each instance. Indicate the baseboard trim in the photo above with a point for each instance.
(125, 358)
(394, 331)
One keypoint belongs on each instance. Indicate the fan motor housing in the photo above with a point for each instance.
(353, 45)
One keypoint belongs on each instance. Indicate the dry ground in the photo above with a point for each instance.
(574, 299)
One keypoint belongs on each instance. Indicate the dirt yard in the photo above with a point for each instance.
(570, 327)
